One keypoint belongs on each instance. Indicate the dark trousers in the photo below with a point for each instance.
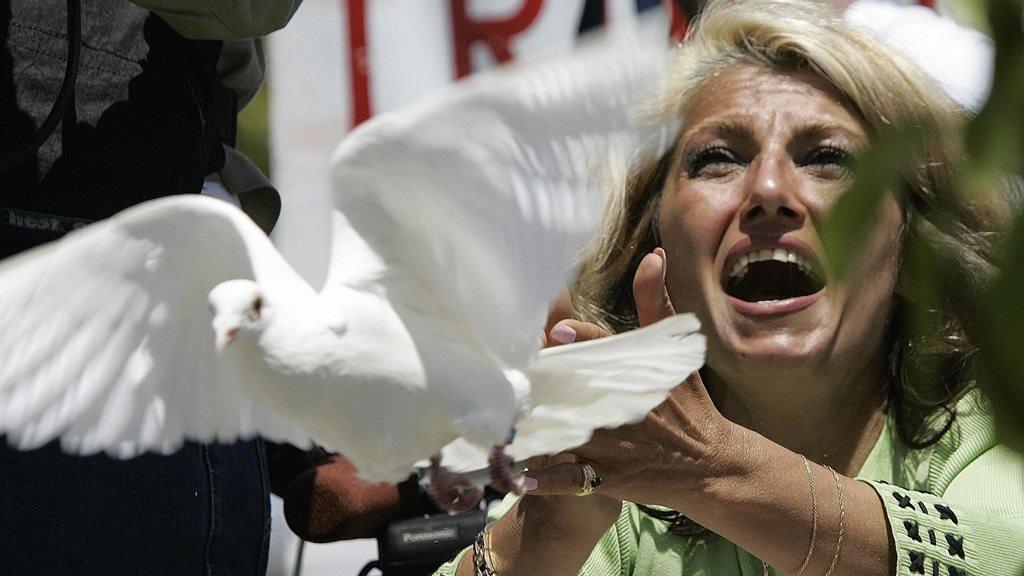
(148, 119)
(201, 511)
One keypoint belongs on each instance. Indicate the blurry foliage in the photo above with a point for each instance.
(969, 12)
(994, 145)
(876, 170)
(251, 137)
(1002, 338)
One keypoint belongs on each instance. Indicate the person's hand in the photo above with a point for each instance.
(599, 511)
(632, 459)
(652, 461)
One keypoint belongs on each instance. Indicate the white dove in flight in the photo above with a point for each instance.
(455, 225)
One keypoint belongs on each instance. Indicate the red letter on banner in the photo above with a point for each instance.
(677, 20)
(497, 34)
(358, 61)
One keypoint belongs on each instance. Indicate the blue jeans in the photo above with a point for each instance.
(204, 510)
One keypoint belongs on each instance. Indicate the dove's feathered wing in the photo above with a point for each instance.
(474, 205)
(485, 194)
(611, 381)
(602, 383)
(106, 339)
(462, 212)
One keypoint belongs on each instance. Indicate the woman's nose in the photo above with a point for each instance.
(772, 204)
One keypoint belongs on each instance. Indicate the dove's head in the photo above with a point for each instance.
(237, 305)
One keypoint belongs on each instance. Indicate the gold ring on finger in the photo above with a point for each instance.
(591, 480)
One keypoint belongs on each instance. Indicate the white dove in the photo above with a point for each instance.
(455, 225)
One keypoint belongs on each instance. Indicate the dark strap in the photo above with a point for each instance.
(11, 158)
(144, 116)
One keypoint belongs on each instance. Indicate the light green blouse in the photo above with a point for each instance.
(954, 509)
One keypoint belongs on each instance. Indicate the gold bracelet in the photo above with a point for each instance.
(483, 564)
(842, 517)
(814, 523)
(814, 517)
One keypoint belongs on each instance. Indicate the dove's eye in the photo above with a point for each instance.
(710, 161)
(257, 307)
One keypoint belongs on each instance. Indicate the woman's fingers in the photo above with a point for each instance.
(563, 329)
(561, 309)
(564, 478)
(569, 331)
(540, 462)
(649, 291)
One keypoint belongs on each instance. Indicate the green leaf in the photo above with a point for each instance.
(973, 13)
(995, 138)
(995, 146)
(923, 281)
(852, 219)
(1001, 335)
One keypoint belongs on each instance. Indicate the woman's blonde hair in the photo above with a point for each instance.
(885, 91)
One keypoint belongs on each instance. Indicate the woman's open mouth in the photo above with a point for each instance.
(772, 280)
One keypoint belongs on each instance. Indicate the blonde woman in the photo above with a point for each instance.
(801, 447)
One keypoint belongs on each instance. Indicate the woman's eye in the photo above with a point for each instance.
(710, 161)
(830, 160)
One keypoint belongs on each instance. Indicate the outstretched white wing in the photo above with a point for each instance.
(106, 339)
(483, 196)
(604, 383)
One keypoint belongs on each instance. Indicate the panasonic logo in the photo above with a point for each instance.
(429, 535)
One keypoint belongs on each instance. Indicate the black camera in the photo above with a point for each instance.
(417, 546)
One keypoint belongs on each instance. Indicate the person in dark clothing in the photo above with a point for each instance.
(147, 112)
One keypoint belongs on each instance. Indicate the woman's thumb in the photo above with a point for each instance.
(649, 290)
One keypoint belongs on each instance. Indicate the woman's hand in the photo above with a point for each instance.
(672, 449)
(685, 455)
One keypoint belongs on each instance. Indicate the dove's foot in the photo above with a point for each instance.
(450, 491)
(503, 476)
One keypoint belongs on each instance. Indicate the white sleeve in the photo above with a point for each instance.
(958, 58)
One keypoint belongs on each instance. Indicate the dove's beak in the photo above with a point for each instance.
(225, 338)
(224, 332)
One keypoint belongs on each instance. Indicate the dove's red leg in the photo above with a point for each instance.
(502, 476)
(452, 492)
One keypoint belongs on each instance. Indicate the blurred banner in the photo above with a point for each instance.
(340, 61)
